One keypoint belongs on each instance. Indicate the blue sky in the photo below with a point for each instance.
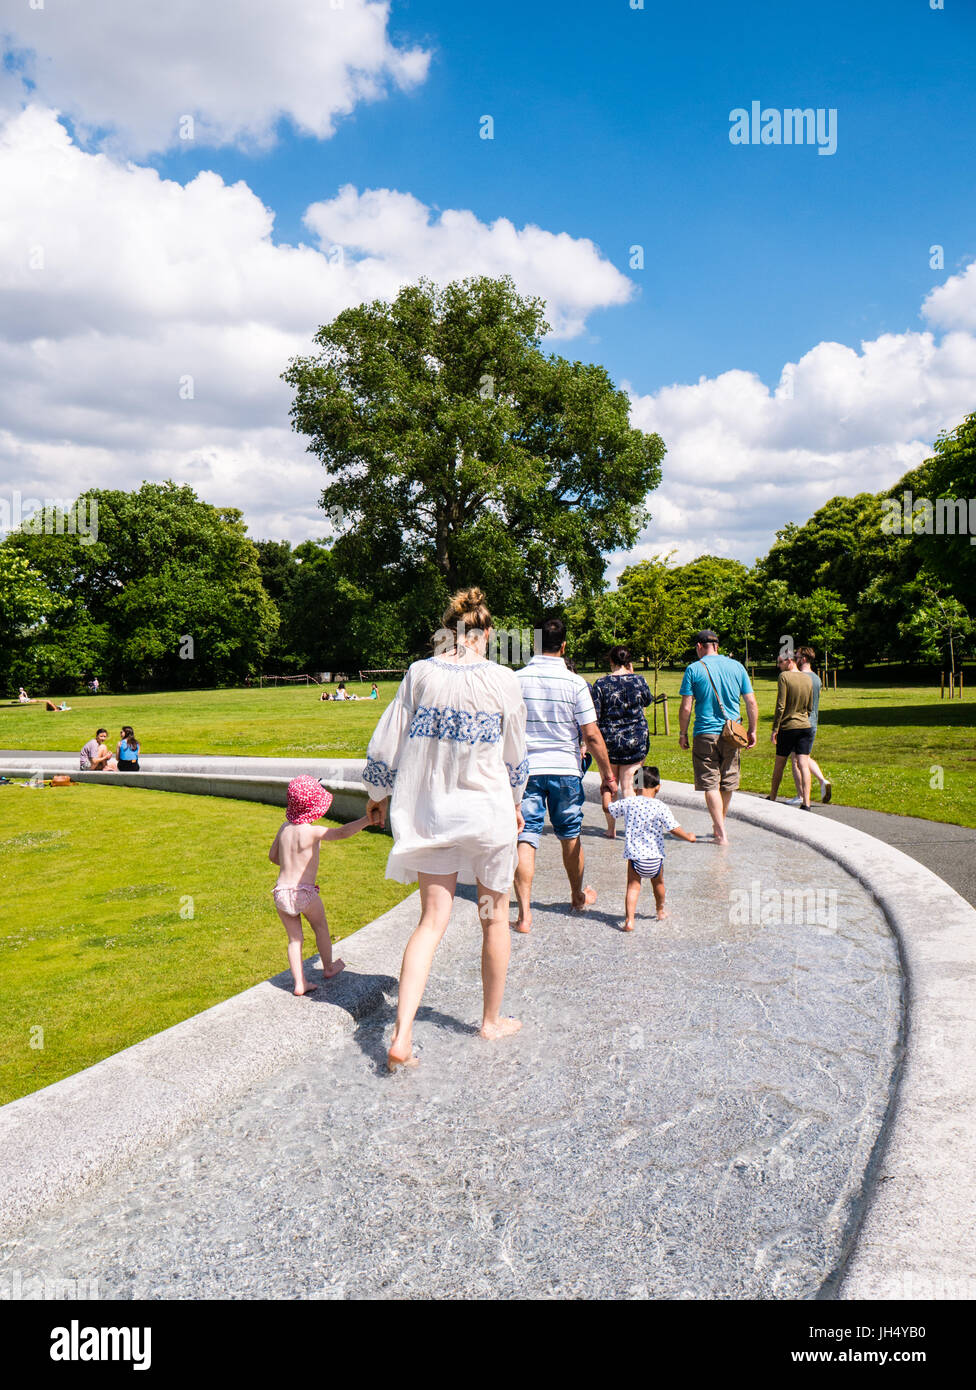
(612, 124)
(787, 336)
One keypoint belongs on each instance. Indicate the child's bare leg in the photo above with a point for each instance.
(657, 883)
(496, 947)
(293, 926)
(436, 900)
(633, 893)
(315, 916)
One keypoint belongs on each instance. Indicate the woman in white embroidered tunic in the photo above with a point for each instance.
(451, 750)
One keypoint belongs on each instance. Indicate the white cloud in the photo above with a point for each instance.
(117, 285)
(953, 305)
(743, 459)
(130, 72)
(391, 232)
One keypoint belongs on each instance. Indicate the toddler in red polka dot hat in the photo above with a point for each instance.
(296, 894)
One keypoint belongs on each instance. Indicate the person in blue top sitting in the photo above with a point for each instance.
(128, 754)
(714, 685)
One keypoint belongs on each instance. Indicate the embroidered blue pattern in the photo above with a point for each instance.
(377, 774)
(456, 725)
(519, 774)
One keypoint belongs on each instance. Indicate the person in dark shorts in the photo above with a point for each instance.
(620, 700)
(805, 657)
(792, 733)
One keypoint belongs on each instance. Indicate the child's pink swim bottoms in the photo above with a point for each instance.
(296, 898)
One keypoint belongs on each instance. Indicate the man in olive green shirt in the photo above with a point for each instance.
(792, 732)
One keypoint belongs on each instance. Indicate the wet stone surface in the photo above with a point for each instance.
(687, 1112)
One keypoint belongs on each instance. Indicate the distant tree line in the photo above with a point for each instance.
(455, 452)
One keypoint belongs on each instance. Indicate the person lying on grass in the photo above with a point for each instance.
(295, 849)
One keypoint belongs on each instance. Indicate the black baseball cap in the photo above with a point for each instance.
(706, 635)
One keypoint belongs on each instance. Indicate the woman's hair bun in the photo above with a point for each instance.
(467, 606)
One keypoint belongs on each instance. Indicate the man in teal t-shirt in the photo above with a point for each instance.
(715, 684)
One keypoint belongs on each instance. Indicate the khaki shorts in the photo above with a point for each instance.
(715, 765)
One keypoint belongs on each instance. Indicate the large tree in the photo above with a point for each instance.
(445, 429)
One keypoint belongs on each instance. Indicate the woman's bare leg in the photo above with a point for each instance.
(625, 778)
(496, 946)
(436, 901)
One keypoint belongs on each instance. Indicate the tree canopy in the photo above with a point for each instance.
(453, 446)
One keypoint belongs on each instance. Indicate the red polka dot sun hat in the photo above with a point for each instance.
(308, 800)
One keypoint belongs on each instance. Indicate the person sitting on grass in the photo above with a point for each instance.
(646, 822)
(374, 694)
(23, 698)
(295, 849)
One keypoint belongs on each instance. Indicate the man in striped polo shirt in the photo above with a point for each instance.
(559, 710)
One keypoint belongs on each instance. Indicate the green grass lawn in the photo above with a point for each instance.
(94, 950)
(878, 743)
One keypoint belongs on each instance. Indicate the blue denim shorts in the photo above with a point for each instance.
(563, 796)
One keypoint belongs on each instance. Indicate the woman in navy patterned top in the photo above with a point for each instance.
(620, 700)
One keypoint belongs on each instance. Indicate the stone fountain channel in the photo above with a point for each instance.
(689, 1112)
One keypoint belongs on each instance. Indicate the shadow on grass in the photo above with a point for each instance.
(959, 714)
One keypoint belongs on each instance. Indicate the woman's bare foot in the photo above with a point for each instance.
(611, 828)
(329, 971)
(400, 1055)
(524, 923)
(586, 899)
(305, 989)
(627, 926)
(502, 1029)
(662, 914)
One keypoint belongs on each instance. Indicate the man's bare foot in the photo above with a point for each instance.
(330, 971)
(586, 899)
(502, 1029)
(662, 914)
(305, 989)
(720, 837)
(627, 926)
(524, 923)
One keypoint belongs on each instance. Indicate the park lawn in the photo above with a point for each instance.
(93, 948)
(878, 743)
(282, 721)
(881, 746)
